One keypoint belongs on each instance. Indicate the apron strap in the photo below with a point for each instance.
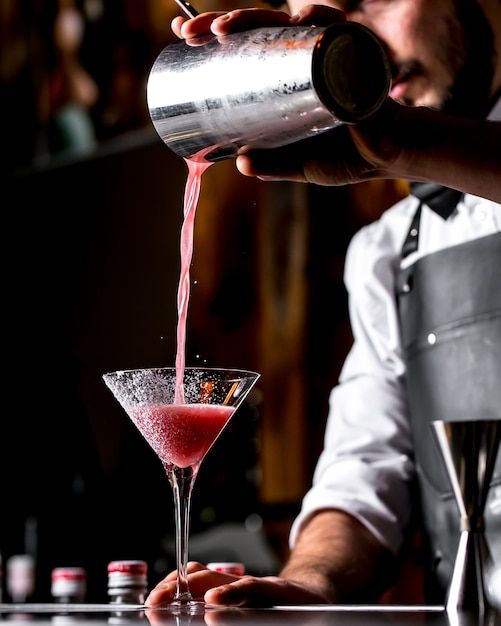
(412, 239)
(440, 199)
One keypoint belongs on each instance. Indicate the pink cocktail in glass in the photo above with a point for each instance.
(181, 434)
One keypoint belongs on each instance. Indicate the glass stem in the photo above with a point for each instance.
(182, 480)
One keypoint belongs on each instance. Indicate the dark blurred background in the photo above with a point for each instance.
(91, 211)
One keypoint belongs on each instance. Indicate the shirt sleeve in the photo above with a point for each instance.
(366, 466)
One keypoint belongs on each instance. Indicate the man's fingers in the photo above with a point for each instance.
(192, 566)
(318, 15)
(176, 25)
(245, 19)
(258, 592)
(195, 27)
(271, 164)
(223, 23)
(331, 158)
(163, 593)
(199, 579)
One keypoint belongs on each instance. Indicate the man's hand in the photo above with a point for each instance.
(345, 155)
(335, 559)
(398, 141)
(228, 590)
(223, 23)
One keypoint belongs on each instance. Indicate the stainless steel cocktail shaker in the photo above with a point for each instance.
(212, 98)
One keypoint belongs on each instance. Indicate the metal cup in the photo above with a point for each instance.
(469, 450)
(212, 98)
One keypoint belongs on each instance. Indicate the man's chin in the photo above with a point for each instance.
(419, 102)
(418, 94)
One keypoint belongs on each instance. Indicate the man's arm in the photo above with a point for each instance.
(339, 557)
(457, 152)
(413, 143)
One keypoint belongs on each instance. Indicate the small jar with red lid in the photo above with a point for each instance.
(127, 582)
(68, 584)
(227, 567)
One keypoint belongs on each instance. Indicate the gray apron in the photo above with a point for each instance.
(450, 315)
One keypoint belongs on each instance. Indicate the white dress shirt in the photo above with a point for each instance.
(367, 462)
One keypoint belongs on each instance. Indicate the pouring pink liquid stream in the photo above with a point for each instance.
(191, 195)
(181, 433)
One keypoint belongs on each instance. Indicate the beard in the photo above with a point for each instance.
(470, 93)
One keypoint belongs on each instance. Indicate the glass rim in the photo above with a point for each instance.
(190, 368)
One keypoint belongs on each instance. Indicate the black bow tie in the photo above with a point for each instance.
(442, 200)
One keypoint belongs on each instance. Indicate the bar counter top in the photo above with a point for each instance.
(312, 615)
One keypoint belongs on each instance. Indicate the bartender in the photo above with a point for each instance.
(425, 302)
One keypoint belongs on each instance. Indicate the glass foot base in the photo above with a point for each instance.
(185, 607)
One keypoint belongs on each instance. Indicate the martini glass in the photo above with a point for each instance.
(181, 416)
